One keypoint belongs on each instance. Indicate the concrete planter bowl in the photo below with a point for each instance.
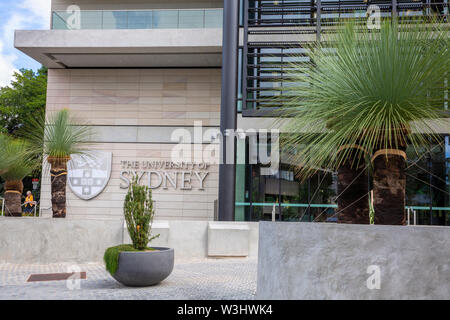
(144, 268)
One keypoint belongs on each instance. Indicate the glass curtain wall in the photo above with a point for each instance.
(427, 184)
(286, 197)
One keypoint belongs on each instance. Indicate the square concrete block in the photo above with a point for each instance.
(158, 227)
(228, 239)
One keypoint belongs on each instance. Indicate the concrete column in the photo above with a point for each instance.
(227, 171)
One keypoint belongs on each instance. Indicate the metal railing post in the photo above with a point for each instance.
(318, 19)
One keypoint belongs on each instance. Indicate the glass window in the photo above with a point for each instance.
(59, 21)
(314, 198)
(140, 19)
(214, 18)
(91, 19)
(191, 19)
(165, 19)
(115, 19)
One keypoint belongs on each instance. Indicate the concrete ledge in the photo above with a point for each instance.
(48, 240)
(42, 240)
(336, 261)
(220, 234)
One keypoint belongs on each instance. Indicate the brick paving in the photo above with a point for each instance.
(198, 280)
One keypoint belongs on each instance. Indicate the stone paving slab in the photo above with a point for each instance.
(197, 280)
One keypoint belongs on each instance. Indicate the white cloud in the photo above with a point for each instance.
(15, 22)
(27, 14)
(7, 68)
(40, 9)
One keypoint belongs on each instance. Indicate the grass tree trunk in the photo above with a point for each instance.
(353, 202)
(13, 198)
(389, 185)
(58, 174)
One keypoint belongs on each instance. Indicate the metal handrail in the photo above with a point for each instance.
(408, 210)
(3, 212)
(331, 206)
(35, 203)
(3, 206)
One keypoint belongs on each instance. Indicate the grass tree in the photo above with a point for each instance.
(15, 164)
(360, 99)
(5, 160)
(57, 139)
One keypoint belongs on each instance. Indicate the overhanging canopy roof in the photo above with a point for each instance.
(122, 48)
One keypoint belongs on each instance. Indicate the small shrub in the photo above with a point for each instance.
(138, 212)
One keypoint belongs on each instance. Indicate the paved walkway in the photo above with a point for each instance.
(199, 280)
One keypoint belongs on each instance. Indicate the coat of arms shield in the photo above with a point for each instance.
(89, 174)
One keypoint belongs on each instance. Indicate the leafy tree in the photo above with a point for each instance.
(24, 98)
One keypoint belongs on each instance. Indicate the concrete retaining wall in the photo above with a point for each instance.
(331, 261)
(47, 240)
(41, 240)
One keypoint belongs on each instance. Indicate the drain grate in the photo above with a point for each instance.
(56, 276)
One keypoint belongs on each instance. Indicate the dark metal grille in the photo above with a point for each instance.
(266, 62)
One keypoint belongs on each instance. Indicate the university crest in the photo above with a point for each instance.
(89, 174)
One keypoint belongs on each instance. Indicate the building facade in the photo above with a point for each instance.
(147, 77)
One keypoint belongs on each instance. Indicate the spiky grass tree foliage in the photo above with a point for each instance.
(5, 159)
(57, 139)
(361, 101)
(15, 164)
(138, 212)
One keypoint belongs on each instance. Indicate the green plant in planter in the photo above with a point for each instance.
(138, 212)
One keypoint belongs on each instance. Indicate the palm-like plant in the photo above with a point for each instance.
(57, 139)
(359, 100)
(5, 160)
(15, 163)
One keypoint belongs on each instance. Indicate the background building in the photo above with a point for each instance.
(135, 71)
(138, 70)
(274, 34)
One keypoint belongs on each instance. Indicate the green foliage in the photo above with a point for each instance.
(16, 161)
(5, 159)
(111, 257)
(373, 88)
(23, 99)
(59, 137)
(138, 211)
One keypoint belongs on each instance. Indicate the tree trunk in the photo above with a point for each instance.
(389, 184)
(13, 198)
(353, 202)
(58, 173)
